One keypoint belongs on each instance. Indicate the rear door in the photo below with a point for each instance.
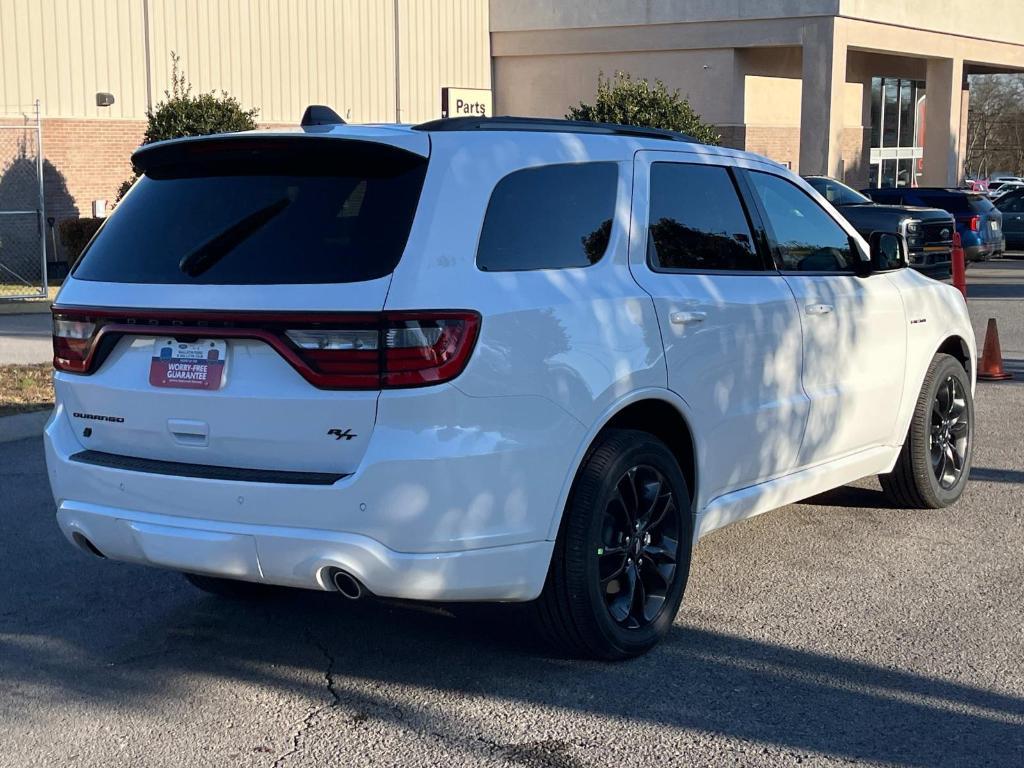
(854, 329)
(728, 320)
(270, 256)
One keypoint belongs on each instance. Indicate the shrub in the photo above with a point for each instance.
(75, 234)
(629, 101)
(183, 114)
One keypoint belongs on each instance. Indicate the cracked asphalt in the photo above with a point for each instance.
(832, 632)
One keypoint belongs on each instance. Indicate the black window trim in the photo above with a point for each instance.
(757, 232)
(772, 240)
(611, 233)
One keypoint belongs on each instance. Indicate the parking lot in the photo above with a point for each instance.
(831, 632)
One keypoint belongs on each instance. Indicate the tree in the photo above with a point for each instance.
(629, 101)
(184, 114)
(995, 125)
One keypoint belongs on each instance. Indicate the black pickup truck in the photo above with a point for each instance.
(929, 231)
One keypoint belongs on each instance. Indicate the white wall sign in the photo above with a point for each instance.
(466, 102)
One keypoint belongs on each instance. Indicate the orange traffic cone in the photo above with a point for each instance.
(959, 265)
(992, 357)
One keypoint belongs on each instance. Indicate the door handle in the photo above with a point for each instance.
(686, 318)
(819, 309)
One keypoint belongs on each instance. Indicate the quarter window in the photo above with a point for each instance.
(549, 217)
(697, 222)
(808, 239)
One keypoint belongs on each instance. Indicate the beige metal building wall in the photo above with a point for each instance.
(443, 42)
(63, 51)
(278, 55)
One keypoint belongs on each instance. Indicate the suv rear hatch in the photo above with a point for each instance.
(229, 312)
(973, 213)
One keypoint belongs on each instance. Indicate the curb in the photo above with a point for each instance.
(22, 425)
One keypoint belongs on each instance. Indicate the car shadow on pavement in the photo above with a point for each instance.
(79, 635)
(996, 475)
(852, 496)
(368, 655)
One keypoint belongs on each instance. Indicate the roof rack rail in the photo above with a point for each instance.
(512, 123)
(318, 114)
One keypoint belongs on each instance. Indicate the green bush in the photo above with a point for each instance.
(184, 114)
(627, 101)
(75, 234)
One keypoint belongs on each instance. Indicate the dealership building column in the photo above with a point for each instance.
(944, 88)
(821, 108)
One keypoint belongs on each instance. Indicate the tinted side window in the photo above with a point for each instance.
(549, 217)
(1013, 204)
(809, 240)
(696, 220)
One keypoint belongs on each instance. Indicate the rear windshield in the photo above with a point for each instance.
(957, 203)
(267, 211)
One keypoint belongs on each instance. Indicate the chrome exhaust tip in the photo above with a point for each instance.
(347, 584)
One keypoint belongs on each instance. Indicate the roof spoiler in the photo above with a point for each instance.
(318, 114)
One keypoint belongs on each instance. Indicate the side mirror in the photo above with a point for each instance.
(888, 251)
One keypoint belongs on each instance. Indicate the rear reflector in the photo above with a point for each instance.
(331, 351)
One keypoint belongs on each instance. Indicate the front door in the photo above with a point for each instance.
(854, 328)
(728, 320)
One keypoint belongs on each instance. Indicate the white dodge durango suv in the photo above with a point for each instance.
(498, 359)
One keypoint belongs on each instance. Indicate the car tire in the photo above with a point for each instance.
(232, 589)
(598, 601)
(935, 462)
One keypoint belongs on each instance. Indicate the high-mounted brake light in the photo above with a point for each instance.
(331, 351)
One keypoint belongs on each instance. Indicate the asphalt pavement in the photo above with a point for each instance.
(25, 338)
(831, 632)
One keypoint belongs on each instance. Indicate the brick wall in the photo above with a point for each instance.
(782, 144)
(86, 160)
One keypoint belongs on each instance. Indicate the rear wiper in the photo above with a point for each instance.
(197, 261)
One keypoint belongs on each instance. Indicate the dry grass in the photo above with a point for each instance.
(25, 388)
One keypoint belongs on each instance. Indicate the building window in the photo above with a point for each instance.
(897, 125)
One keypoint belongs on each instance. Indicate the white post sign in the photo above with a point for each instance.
(466, 102)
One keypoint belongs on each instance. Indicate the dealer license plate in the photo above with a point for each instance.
(188, 364)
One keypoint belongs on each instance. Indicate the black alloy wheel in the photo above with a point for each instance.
(950, 432)
(639, 548)
(622, 557)
(934, 464)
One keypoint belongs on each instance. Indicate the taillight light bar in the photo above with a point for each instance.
(331, 351)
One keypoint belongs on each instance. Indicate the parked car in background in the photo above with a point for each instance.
(929, 231)
(1011, 205)
(979, 223)
(999, 188)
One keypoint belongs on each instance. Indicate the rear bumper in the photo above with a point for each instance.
(979, 252)
(432, 512)
(298, 557)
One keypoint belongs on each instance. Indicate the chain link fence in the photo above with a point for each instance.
(22, 230)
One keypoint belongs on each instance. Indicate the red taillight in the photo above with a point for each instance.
(424, 349)
(975, 223)
(73, 338)
(357, 351)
